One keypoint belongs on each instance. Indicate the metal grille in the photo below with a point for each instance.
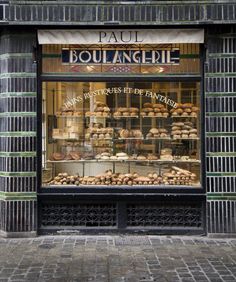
(87, 215)
(221, 216)
(165, 215)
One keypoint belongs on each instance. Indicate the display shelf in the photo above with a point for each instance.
(125, 161)
(182, 117)
(109, 116)
(190, 139)
(158, 138)
(155, 117)
(68, 139)
(120, 117)
(156, 186)
(100, 139)
(130, 138)
(68, 116)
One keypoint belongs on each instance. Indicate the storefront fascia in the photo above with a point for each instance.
(155, 208)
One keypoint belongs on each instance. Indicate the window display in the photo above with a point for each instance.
(121, 134)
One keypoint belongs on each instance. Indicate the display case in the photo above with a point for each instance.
(121, 134)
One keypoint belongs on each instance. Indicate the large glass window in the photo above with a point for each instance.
(121, 134)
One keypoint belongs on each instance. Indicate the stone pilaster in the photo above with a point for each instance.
(17, 133)
(220, 84)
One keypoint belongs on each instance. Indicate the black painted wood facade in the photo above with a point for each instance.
(19, 20)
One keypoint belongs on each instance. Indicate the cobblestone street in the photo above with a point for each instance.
(118, 258)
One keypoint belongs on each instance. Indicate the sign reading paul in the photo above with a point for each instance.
(120, 55)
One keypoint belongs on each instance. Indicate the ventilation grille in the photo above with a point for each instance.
(164, 216)
(87, 215)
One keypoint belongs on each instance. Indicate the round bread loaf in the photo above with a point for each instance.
(195, 109)
(124, 133)
(194, 130)
(154, 130)
(162, 130)
(187, 105)
(187, 110)
(147, 105)
(141, 157)
(75, 155)
(134, 110)
(122, 154)
(193, 114)
(58, 156)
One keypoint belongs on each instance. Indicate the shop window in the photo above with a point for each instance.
(121, 134)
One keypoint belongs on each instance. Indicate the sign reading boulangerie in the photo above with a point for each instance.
(119, 56)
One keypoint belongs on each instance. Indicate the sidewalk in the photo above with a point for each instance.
(118, 259)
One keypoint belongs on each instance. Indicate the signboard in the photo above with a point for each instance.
(122, 36)
(120, 57)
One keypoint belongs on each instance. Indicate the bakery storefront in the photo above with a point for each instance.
(121, 137)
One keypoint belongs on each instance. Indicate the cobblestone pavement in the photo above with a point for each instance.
(118, 259)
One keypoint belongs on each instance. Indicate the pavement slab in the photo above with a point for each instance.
(118, 259)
